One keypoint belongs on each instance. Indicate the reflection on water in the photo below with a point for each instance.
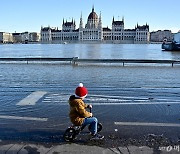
(175, 54)
(132, 51)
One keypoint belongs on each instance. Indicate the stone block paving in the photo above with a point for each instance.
(77, 149)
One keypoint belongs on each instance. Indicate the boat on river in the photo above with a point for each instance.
(171, 46)
(174, 45)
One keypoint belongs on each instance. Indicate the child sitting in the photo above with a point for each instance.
(78, 114)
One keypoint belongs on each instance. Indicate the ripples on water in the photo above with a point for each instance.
(106, 83)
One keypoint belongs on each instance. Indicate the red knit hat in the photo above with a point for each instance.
(81, 91)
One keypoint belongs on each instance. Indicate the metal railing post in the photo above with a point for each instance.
(74, 62)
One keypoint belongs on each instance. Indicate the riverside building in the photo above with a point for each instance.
(6, 37)
(93, 32)
(161, 35)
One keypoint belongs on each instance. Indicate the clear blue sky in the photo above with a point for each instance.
(29, 15)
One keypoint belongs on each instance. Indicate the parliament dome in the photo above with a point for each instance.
(93, 15)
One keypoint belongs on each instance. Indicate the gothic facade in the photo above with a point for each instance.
(94, 32)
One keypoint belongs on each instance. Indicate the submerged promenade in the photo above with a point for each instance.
(134, 91)
(138, 107)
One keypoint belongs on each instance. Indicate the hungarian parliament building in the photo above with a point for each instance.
(93, 32)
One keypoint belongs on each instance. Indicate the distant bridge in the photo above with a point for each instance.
(76, 60)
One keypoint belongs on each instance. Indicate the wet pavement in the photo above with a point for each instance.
(135, 110)
(144, 125)
(72, 149)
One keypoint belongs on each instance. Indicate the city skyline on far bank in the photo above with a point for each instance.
(19, 16)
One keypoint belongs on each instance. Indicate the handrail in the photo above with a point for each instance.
(36, 59)
(76, 60)
(126, 61)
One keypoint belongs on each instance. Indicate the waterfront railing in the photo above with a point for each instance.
(76, 60)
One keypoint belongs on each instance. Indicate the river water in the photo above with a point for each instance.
(129, 51)
(153, 89)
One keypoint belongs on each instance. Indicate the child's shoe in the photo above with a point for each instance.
(97, 137)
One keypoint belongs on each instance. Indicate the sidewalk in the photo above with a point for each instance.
(74, 149)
